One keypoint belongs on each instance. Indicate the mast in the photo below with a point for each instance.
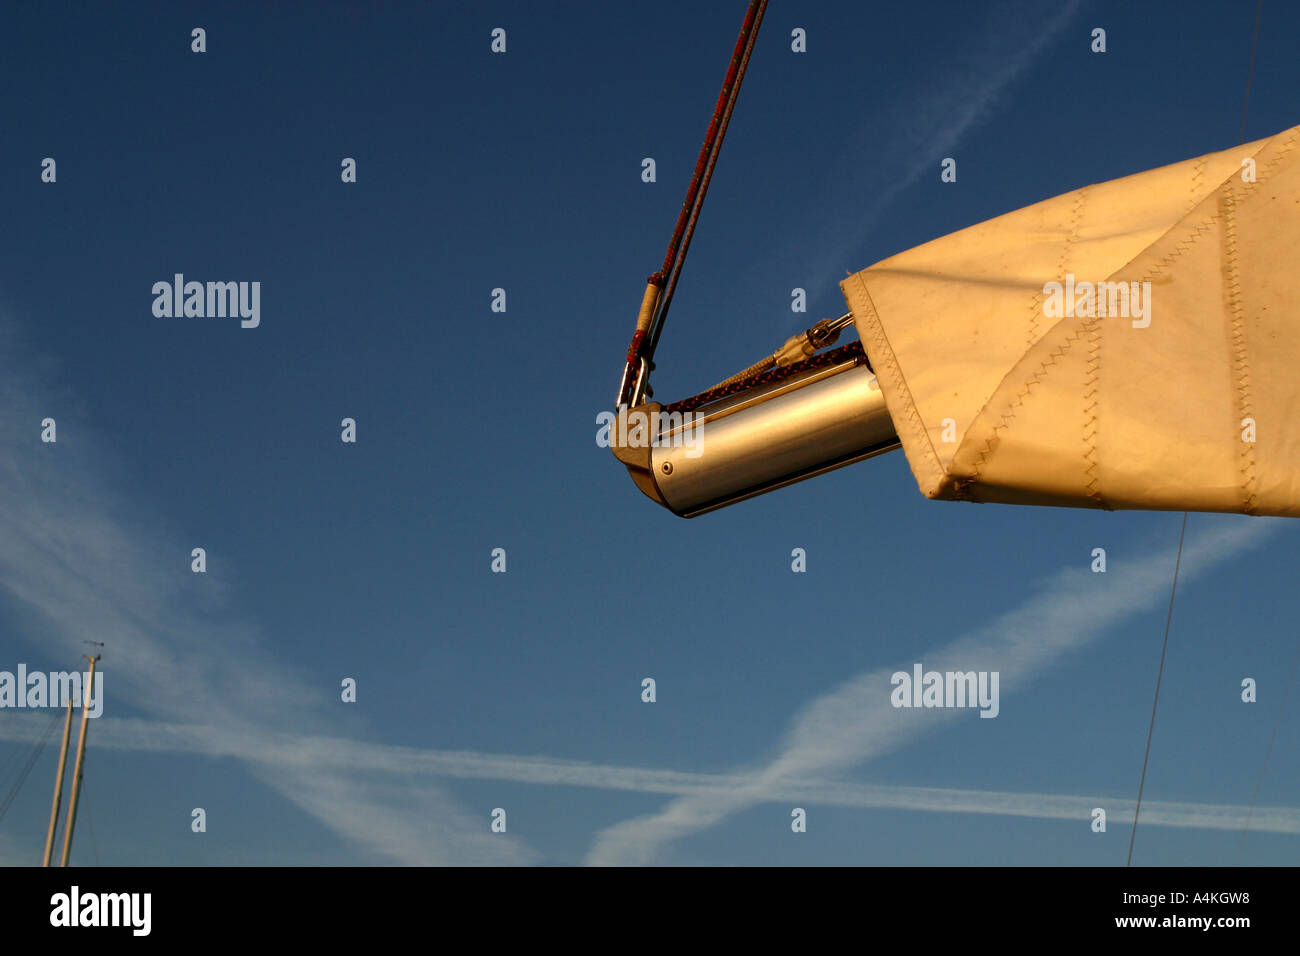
(58, 786)
(81, 753)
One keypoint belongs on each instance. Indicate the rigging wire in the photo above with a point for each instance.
(9, 763)
(31, 762)
(1159, 676)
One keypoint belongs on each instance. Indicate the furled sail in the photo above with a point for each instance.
(1132, 344)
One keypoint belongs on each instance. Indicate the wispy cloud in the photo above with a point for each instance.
(302, 757)
(856, 721)
(910, 129)
(85, 562)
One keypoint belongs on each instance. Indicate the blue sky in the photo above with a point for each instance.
(476, 430)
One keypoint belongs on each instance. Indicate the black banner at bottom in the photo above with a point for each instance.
(927, 905)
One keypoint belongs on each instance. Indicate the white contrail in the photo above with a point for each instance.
(913, 133)
(856, 722)
(303, 756)
(87, 564)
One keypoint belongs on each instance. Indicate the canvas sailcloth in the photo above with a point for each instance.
(1000, 394)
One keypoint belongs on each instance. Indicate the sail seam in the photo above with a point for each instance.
(1240, 359)
(1036, 301)
(1283, 148)
(1197, 233)
(1092, 371)
(964, 486)
(885, 364)
(1198, 174)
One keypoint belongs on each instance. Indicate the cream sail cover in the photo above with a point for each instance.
(1002, 391)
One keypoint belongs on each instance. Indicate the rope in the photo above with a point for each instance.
(713, 137)
(797, 348)
(748, 373)
(690, 214)
(853, 350)
(644, 341)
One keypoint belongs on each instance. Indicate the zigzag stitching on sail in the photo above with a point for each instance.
(884, 355)
(1240, 359)
(1283, 148)
(1198, 173)
(1191, 239)
(962, 486)
(1092, 372)
(1036, 302)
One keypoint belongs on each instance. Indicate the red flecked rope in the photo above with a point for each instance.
(646, 341)
(713, 138)
(853, 350)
